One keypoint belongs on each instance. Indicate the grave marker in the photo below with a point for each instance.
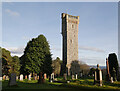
(21, 77)
(12, 80)
(98, 76)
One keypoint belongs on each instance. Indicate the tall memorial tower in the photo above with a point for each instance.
(70, 40)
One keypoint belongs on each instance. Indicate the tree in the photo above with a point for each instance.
(75, 67)
(9, 64)
(37, 57)
(113, 63)
(91, 72)
(56, 64)
(6, 61)
(15, 65)
(79, 66)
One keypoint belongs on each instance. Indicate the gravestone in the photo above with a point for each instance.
(107, 70)
(111, 80)
(16, 77)
(21, 77)
(12, 80)
(29, 77)
(76, 77)
(45, 76)
(7, 78)
(52, 77)
(81, 74)
(73, 77)
(0, 78)
(65, 76)
(4, 77)
(98, 76)
(37, 77)
(25, 76)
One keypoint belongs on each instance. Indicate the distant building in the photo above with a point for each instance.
(70, 40)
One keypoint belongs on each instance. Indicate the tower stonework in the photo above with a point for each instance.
(70, 40)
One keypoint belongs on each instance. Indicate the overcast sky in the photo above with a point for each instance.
(98, 27)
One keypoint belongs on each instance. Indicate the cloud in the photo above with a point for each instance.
(18, 51)
(12, 13)
(90, 49)
(25, 38)
(93, 60)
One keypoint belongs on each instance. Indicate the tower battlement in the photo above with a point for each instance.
(70, 40)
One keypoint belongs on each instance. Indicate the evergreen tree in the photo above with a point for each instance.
(37, 57)
(56, 64)
(15, 65)
(9, 64)
(6, 61)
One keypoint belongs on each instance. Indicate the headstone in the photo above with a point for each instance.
(45, 76)
(52, 77)
(16, 77)
(0, 78)
(37, 77)
(65, 76)
(29, 77)
(98, 76)
(21, 77)
(76, 77)
(111, 80)
(68, 81)
(12, 80)
(25, 76)
(107, 70)
(73, 77)
(7, 78)
(81, 74)
(4, 77)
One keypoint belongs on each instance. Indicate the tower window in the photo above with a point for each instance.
(72, 26)
(71, 41)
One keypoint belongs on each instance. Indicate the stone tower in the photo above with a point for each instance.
(70, 40)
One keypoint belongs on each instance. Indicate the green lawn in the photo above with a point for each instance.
(80, 84)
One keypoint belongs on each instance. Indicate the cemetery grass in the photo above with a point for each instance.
(80, 84)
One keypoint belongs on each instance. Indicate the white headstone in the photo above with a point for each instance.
(100, 78)
(76, 76)
(21, 77)
(80, 74)
(52, 76)
(0, 78)
(7, 78)
(111, 79)
(73, 77)
(16, 77)
(29, 77)
(68, 81)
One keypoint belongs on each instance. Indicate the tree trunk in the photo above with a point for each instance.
(40, 80)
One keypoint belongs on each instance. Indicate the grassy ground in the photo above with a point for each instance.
(80, 84)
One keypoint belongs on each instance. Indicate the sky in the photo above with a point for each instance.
(98, 27)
